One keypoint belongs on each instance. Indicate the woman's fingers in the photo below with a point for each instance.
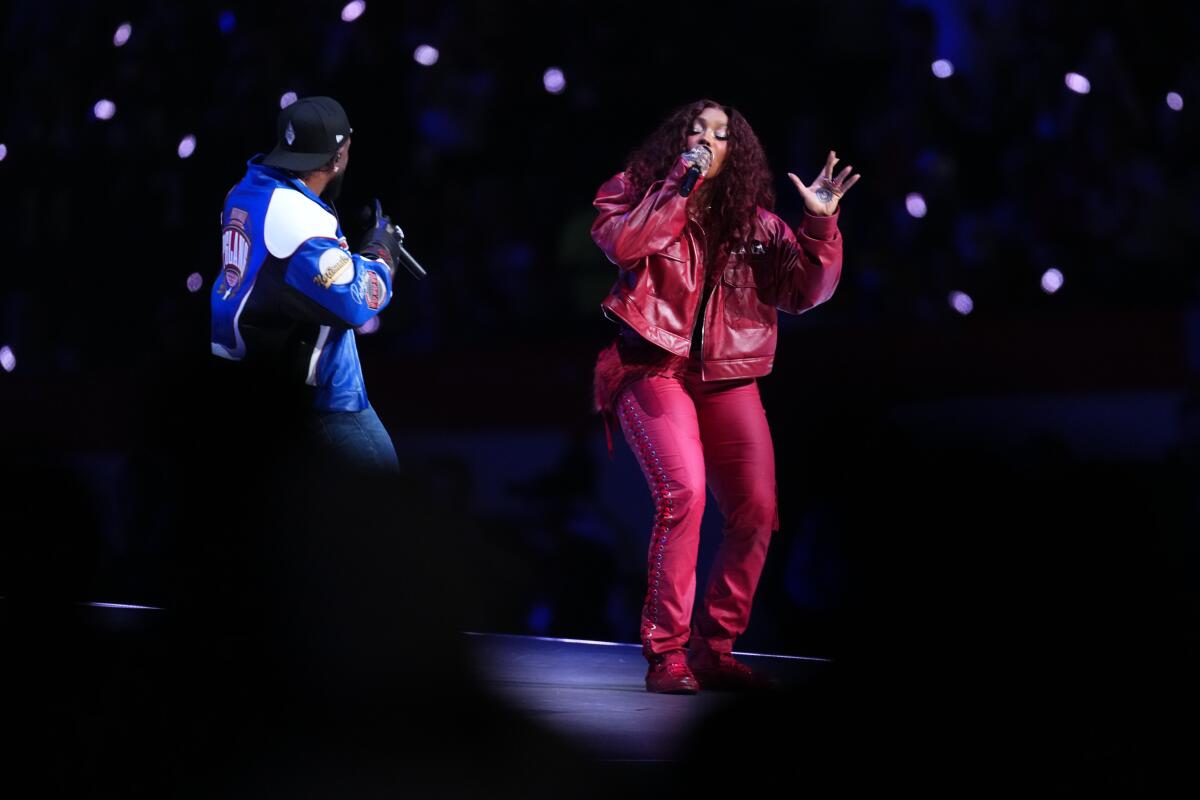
(827, 171)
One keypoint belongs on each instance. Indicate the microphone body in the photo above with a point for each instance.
(700, 158)
(410, 263)
(689, 181)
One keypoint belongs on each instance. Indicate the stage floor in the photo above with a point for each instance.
(594, 694)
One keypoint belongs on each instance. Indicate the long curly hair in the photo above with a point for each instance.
(743, 183)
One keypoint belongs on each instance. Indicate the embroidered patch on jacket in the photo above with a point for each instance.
(370, 287)
(332, 265)
(374, 290)
(235, 252)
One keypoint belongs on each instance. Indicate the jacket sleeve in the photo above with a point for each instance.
(808, 264)
(351, 287)
(628, 230)
(322, 282)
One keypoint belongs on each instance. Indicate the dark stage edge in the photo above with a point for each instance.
(594, 694)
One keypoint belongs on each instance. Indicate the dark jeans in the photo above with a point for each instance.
(357, 438)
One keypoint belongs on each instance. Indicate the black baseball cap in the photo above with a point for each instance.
(310, 131)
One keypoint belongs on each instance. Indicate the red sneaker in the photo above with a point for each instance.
(669, 674)
(724, 672)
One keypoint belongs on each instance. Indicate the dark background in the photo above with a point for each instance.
(987, 516)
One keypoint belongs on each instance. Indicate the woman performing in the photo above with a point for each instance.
(703, 267)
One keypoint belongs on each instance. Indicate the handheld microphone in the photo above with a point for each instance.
(693, 174)
(414, 268)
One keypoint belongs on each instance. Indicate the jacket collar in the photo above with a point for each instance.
(255, 166)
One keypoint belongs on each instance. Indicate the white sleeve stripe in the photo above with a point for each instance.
(292, 219)
(311, 380)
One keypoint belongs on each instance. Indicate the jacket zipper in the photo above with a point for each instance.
(702, 305)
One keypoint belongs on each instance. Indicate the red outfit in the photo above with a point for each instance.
(695, 418)
(660, 252)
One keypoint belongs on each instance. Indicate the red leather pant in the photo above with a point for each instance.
(687, 433)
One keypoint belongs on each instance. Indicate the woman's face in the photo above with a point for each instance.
(711, 127)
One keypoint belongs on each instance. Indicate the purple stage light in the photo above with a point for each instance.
(7, 359)
(962, 302)
(124, 31)
(1077, 83)
(426, 55)
(194, 282)
(1052, 281)
(287, 99)
(226, 21)
(915, 204)
(554, 81)
(104, 109)
(353, 10)
(3, 151)
(942, 68)
(1175, 101)
(187, 146)
(369, 327)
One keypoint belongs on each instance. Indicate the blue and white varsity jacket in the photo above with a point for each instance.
(290, 292)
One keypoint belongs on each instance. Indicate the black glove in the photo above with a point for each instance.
(382, 240)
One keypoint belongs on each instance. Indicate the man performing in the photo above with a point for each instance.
(290, 291)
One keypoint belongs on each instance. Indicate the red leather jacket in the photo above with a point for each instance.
(659, 251)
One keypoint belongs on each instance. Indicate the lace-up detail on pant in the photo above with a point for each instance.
(660, 490)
